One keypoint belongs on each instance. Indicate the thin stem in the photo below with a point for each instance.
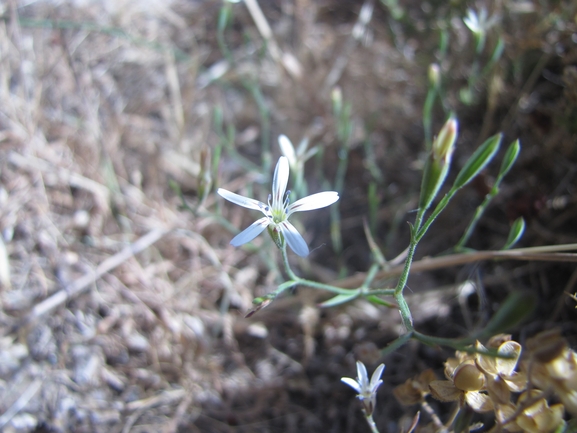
(372, 424)
(479, 212)
(471, 227)
(287, 266)
(327, 287)
(370, 276)
(404, 309)
(420, 231)
(384, 292)
(411, 252)
(427, 116)
(313, 284)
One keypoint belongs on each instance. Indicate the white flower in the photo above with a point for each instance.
(479, 23)
(367, 391)
(296, 157)
(279, 210)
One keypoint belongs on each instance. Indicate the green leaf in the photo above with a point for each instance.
(376, 300)
(513, 311)
(478, 161)
(517, 230)
(510, 158)
(340, 299)
(397, 343)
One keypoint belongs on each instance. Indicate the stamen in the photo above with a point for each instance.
(287, 198)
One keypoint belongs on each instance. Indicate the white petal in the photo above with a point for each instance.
(287, 149)
(279, 182)
(315, 201)
(362, 374)
(352, 383)
(375, 378)
(294, 239)
(303, 147)
(241, 200)
(251, 232)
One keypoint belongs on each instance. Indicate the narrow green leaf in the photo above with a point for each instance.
(517, 230)
(478, 161)
(510, 158)
(376, 300)
(397, 343)
(339, 299)
(513, 311)
(378, 255)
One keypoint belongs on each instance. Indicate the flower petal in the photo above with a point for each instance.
(279, 182)
(251, 232)
(479, 402)
(506, 366)
(362, 374)
(294, 239)
(287, 149)
(314, 201)
(352, 383)
(241, 200)
(375, 378)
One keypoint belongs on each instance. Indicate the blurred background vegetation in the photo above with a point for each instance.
(123, 304)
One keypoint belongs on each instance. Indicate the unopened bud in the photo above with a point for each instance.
(437, 165)
(434, 75)
(444, 143)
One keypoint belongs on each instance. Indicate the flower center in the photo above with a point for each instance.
(278, 210)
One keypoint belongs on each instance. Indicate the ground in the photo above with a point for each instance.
(123, 304)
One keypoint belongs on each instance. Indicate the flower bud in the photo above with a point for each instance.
(434, 75)
(437, 165)
(444, 143)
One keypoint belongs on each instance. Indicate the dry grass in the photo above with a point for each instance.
(123, 312)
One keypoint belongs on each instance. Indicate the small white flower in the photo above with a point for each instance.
(296, 157)
(479, 23)
(279, 210)
(367, 391)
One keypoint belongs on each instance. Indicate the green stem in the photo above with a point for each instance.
(427, 116)
(404, 309)
(372, 424)
(383, 292)
(287, 265)
(420, 231)
(478, 213)
(370, 276)
(309, 283)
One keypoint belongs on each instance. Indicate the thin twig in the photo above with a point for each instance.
(546, 253)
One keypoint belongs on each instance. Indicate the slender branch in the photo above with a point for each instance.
(544, 253)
